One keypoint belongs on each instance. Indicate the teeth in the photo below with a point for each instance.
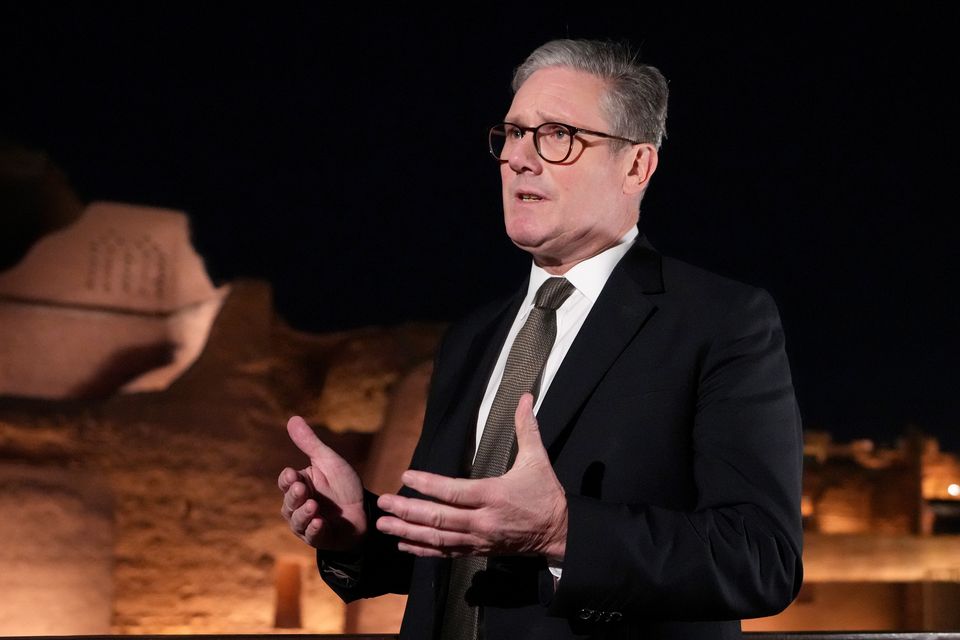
(529, 198)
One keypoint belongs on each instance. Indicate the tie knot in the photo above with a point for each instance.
(552, 293)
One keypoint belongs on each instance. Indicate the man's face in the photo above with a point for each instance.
(565, 213)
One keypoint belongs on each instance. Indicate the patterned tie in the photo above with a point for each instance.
(521, 374)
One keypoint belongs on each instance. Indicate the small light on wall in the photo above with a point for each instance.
(954, 490)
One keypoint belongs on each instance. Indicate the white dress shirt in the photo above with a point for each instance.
(588, 278)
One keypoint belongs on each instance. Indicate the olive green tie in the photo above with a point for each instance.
(521, 374)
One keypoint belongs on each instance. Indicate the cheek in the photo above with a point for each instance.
(597, 190)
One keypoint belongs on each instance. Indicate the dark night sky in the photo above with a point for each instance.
(342, 157)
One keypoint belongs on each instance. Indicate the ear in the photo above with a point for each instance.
(642, 163)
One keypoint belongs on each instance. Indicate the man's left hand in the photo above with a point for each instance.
(523, 512)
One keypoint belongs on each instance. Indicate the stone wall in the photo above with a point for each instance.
(159, 512)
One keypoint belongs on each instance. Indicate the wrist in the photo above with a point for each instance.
(555, 549)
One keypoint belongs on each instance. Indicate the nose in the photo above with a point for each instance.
(524, 157)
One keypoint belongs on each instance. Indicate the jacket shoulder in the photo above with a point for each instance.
(699, 288)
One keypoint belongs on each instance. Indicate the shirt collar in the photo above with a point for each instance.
(589, 276)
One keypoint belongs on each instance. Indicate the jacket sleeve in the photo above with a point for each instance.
(376, 568)
(737, 553)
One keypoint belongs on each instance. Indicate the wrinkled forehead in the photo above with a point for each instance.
(559, 94)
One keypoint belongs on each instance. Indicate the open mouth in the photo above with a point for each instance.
(529, 197)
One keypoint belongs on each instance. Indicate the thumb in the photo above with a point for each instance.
(306, 440)
(528, 430)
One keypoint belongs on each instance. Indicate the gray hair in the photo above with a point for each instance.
(635, 102)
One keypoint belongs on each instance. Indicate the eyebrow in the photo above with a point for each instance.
(545, 118)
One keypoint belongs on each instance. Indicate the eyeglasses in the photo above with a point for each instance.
(552, 140)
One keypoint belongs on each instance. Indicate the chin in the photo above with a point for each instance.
(526, 224)
(524, 235)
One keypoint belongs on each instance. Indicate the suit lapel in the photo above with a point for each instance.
(451, 438)
(618, 315)
(467, 362)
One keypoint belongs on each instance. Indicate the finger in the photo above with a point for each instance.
(287, 478)
(455, 491)
(426, 512)
(312, 533)
(293, 499)
(300, 518)
(307, 441)
(446, 541)
(425, 551)
(528, 429)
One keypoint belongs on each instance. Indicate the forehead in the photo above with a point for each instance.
(560, 94)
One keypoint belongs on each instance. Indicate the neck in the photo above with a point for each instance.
(559, 265)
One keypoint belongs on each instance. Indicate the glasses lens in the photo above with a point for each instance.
(554, 141)
(498, 141)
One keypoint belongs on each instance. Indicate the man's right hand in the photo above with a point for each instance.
(323, 503)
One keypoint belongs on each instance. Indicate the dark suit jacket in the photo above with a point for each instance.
(673, 428)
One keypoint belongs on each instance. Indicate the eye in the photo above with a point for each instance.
(555, 132)
(512, 132)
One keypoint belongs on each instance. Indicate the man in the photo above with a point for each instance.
(652, 488)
